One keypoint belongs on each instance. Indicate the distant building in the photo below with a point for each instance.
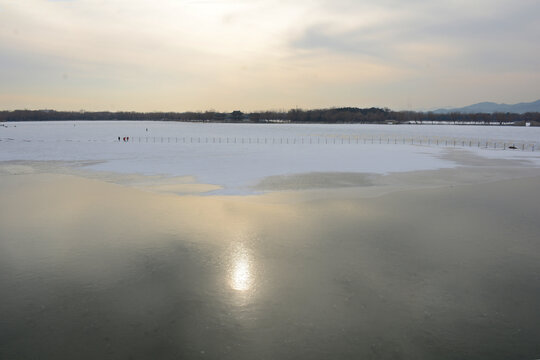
(237, 115)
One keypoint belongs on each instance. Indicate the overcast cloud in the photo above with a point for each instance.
(266, 54)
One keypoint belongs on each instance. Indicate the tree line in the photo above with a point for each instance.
(332, 116)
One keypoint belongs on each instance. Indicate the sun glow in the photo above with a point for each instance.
(241, 272)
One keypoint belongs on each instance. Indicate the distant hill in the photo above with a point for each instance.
(491, 107)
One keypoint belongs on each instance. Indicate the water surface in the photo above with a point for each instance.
(92, 270)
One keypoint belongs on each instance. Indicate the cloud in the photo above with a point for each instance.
(461, 35)
(196, 52)
(322, 36)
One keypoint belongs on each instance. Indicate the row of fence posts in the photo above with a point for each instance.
(337, 140)
(486, 144)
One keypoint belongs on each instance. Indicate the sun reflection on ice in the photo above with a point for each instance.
(241, 272)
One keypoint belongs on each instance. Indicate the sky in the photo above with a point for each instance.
(249, 55)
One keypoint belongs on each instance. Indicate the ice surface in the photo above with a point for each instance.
(237, 156)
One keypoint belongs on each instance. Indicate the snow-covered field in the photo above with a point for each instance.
(236, 156)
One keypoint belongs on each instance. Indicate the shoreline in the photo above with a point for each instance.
(286, 122)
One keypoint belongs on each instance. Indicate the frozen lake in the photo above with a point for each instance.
(236, 157)
(93, 270)
(405, 242)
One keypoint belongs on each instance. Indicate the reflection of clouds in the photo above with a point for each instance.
(241, 271)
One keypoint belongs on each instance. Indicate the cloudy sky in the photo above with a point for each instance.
(179, 55)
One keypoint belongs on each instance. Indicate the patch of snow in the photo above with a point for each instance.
(237, 156)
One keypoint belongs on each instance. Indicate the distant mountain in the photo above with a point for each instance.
(491, 107)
